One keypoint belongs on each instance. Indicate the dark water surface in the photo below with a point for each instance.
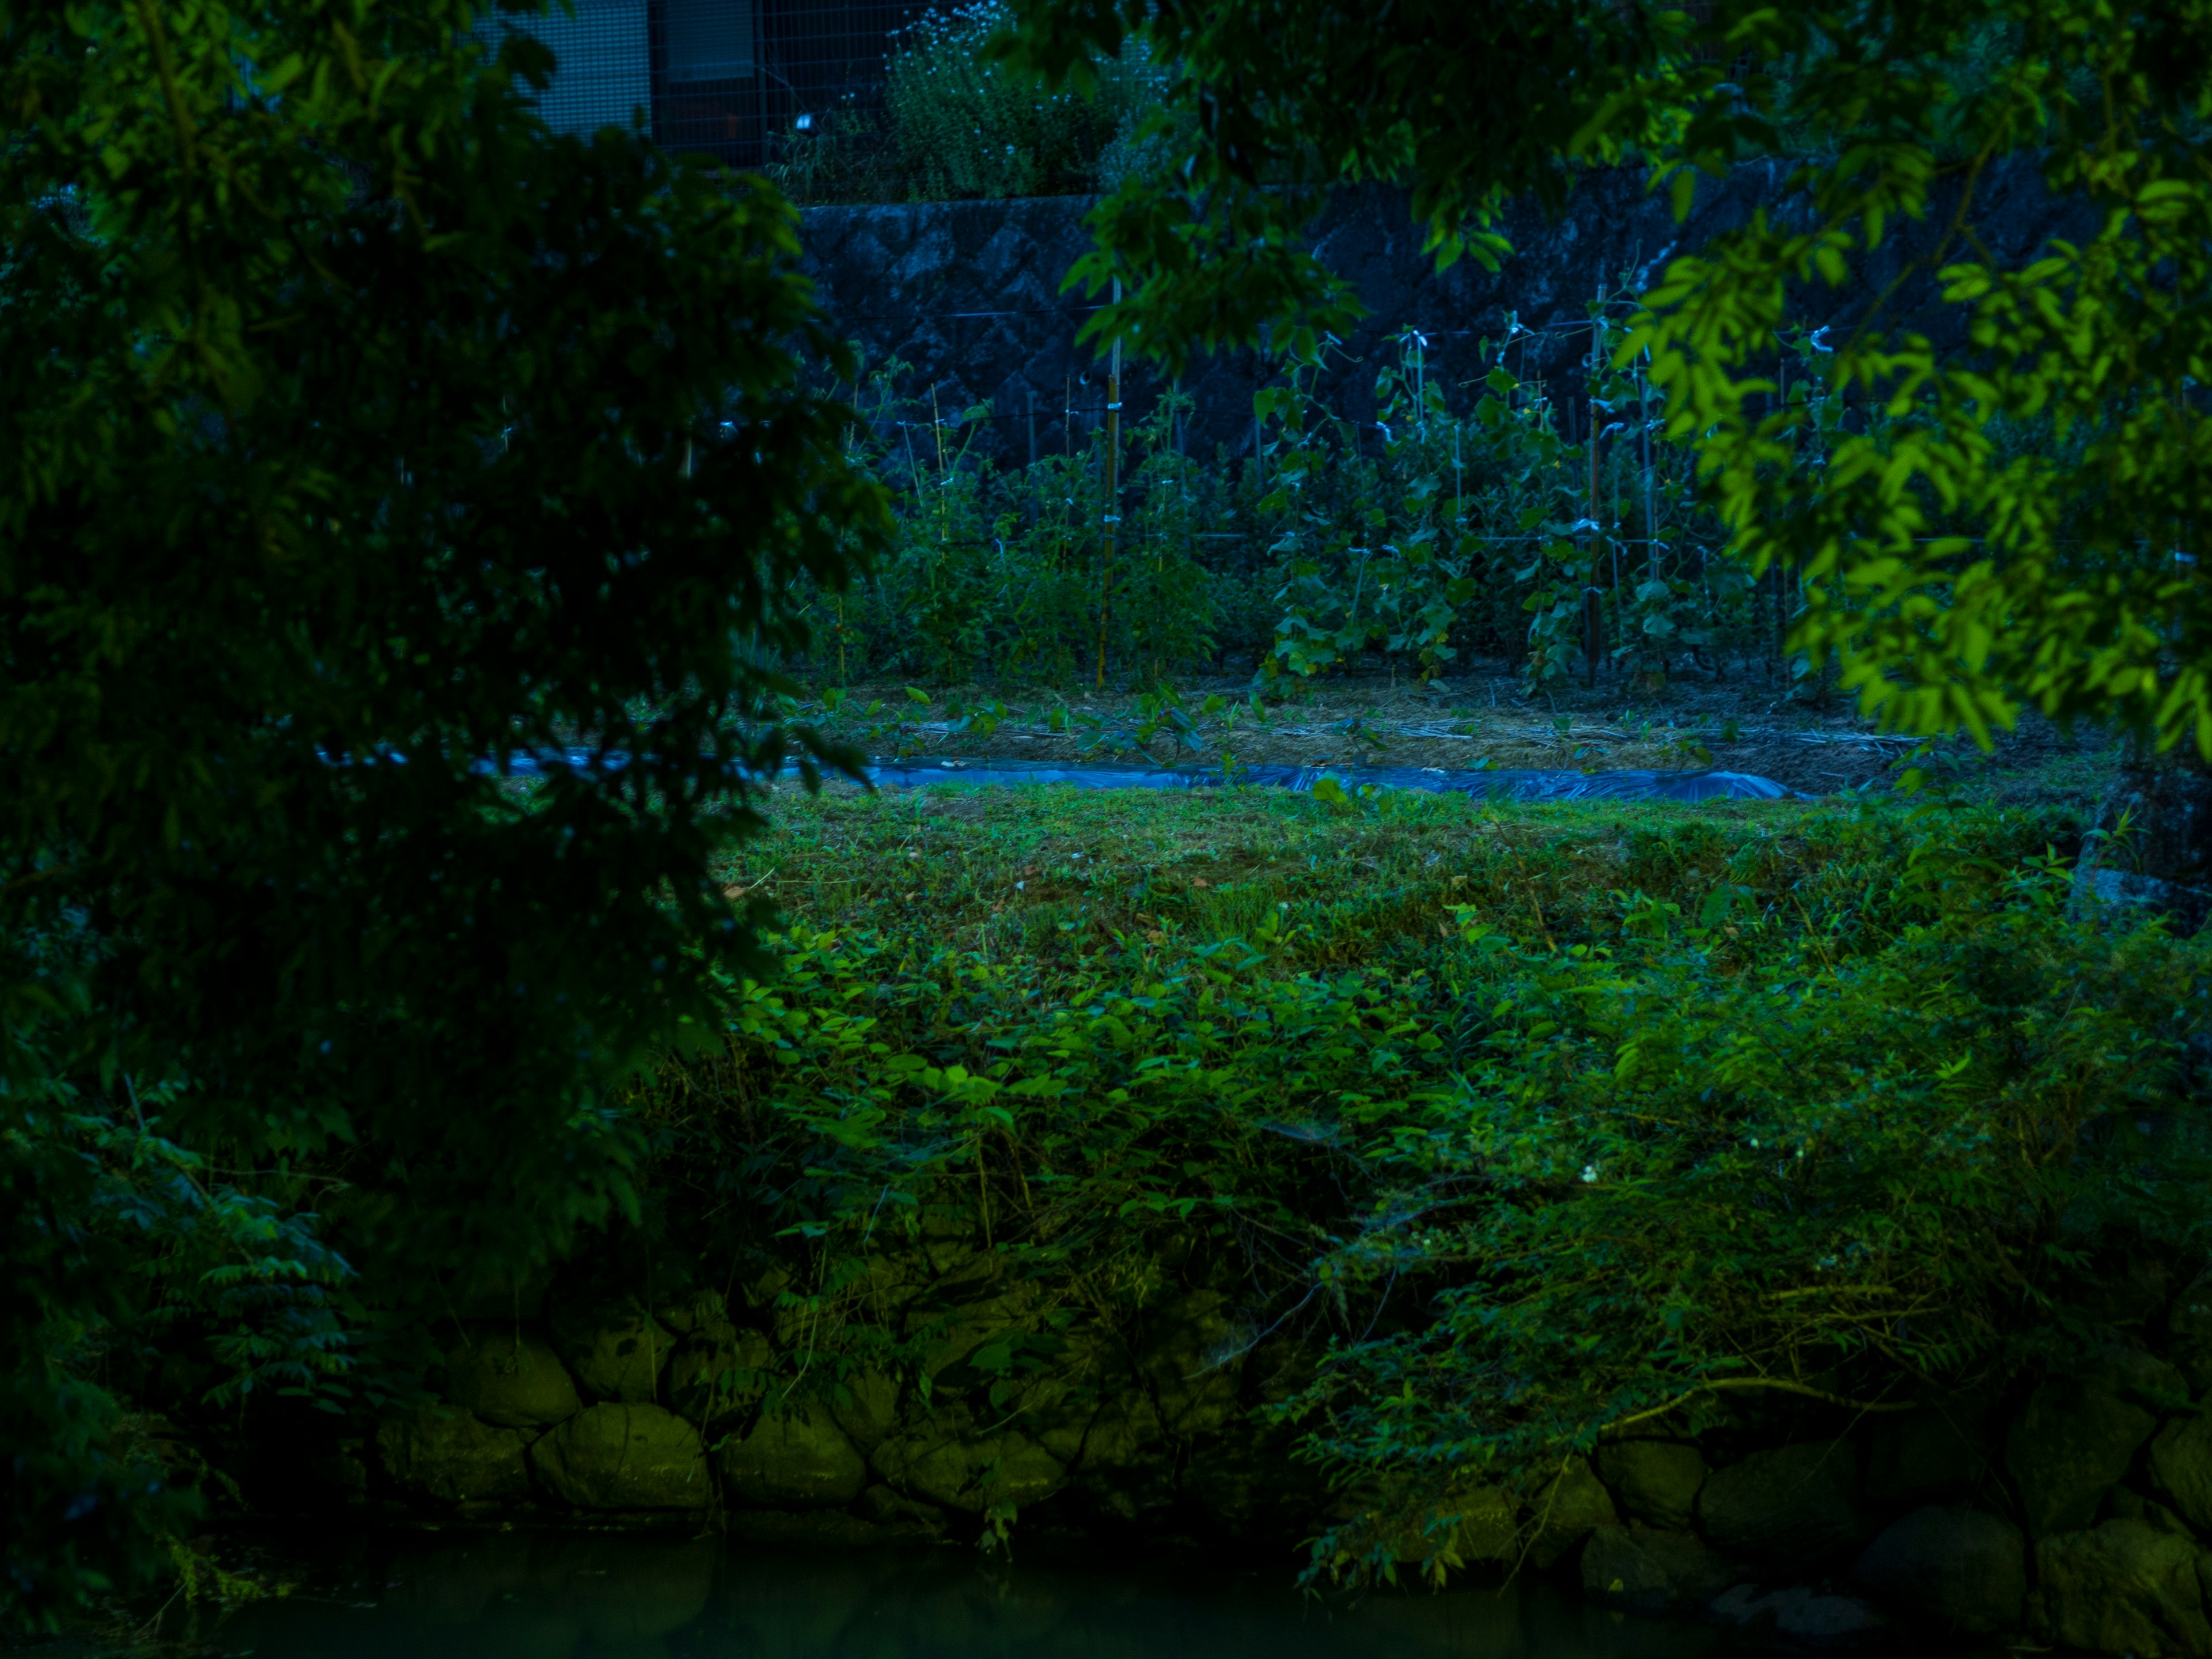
(548, 1596)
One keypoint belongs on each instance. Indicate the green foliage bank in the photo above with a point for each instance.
(1502, 1130)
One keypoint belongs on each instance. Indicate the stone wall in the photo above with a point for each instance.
(968, 294)
(584, 1407)
(2068, 1502)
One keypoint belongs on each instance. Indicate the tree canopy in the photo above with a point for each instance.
(364, 440)
(2008, 527)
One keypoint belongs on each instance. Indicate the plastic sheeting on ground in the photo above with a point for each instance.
(1498, 783)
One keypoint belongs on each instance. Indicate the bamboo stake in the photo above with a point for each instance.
(937, 428)
(1593, 621)
(1112, 514)
(1781, 627)
(1650, 480)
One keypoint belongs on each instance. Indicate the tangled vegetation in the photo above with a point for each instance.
(1516, 1127)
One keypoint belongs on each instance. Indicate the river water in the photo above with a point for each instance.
(551, 1596)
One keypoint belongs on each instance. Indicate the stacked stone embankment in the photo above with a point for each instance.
(2071, 1504)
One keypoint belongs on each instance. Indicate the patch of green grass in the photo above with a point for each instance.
(1061, 873)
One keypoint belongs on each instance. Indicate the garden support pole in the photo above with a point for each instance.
(1112, 514)
(1593, 600)
(1650, 479)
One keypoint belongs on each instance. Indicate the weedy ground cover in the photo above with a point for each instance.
(1506, 1126)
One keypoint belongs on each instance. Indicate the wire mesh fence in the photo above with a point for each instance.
(839, 100)
(749, 81)
(752, 83)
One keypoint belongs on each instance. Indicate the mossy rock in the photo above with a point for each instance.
(1566, 1509)
(1468, 1527)
(897, 1516)
(1654, 1481)
(625, 1457)
(454, 1458)
(959, 1473)
(1953, 1569)
(1793, 1506)
(952, 1331)
(615, 1351)
(1061, 1425)
(1653, 1570)
(765, 1289)
(694, 1313)
(2181, 1467)
(718, 1371)
(510, 1376)
(1124, 1433)
(2079, 1434)
(1061, 1408)
(865, 1403)
(1127, 1466)
(2126, 1587)
(796, 1458)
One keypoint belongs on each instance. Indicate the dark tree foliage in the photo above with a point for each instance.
(360, 436)
(2015, 526)
(1468, 103)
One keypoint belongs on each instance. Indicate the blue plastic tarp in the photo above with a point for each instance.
(1498, 783)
